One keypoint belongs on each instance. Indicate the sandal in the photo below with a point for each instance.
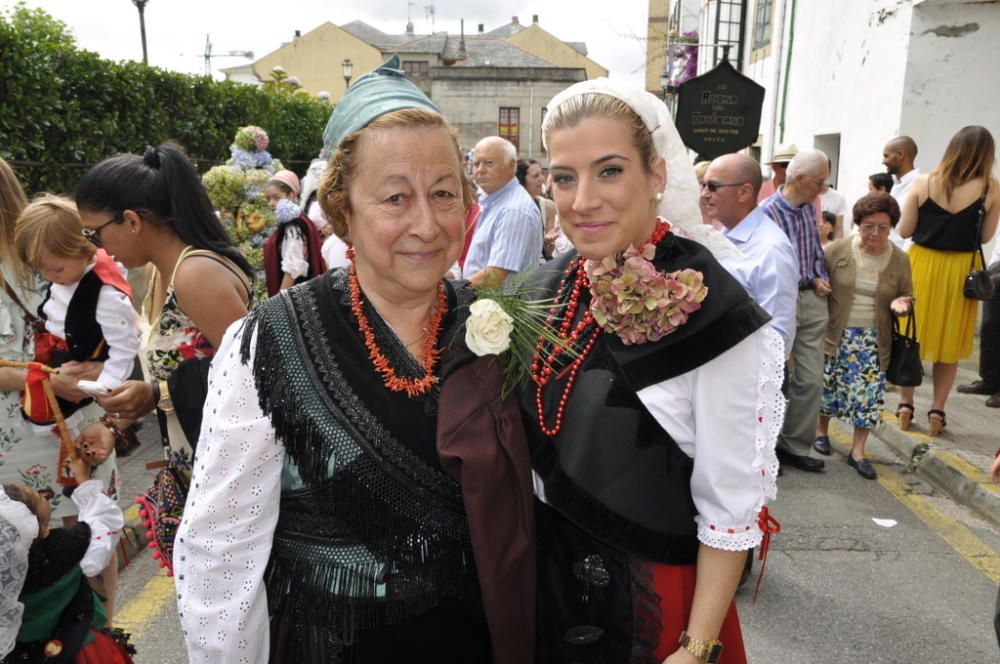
(935, 422)
(904, 413)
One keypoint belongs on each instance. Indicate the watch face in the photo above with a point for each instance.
(714, 653)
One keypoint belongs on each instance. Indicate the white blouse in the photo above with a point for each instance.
(225, 537)
(105, 519)
(117, 318)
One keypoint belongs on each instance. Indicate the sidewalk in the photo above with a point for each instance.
(957, 461)
(135, 479)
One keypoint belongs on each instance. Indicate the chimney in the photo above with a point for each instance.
(482, 28)
(513, 19)
(461, 43)
(534, 19)
(409, 28)
(298, 33)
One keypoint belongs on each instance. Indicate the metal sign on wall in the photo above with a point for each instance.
(719, 111)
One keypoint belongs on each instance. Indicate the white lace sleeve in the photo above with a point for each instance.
(105, 519)
(293, 253)
(120, 328)
(224, 541)
(726, 415)
(13, 569)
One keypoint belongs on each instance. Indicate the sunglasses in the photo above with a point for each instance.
(714, 186)
(93, 235)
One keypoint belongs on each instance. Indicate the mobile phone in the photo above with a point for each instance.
(93, 388)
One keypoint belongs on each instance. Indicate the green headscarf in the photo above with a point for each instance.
(376, 93)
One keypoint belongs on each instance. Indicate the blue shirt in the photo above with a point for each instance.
(799, 224)
(508, 233)
(770, 269)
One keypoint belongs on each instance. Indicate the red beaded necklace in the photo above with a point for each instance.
(544, 361)
(412, 386)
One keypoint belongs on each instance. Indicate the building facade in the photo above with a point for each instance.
(485, 82)
(845, 77)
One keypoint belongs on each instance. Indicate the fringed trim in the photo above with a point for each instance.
(329, 600)
(647, 613)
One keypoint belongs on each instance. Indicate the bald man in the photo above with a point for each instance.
(768, 264)
(897, 157)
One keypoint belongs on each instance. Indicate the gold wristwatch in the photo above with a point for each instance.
(166, 404)
(708, 652)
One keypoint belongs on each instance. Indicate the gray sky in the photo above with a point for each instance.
(176, 29)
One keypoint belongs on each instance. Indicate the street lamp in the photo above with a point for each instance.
(141, 6)
(348, 68)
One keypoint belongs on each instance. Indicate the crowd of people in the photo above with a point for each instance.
(365, 484)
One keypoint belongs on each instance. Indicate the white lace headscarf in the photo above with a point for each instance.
(680, 198)
(18, 529)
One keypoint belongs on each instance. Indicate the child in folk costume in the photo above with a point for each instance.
(87, 309)
(293, 252)
(63, 617)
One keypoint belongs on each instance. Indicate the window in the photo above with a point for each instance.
(762, 24)
(510, 125)
(416, 68)
(729, 26)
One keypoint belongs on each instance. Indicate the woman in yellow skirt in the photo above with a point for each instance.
(942, 213)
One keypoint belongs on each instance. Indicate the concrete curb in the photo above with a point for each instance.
(960, 479)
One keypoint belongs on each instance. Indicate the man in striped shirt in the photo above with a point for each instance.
(791, 208)
(508, 233)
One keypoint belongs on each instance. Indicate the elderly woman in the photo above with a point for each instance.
(871, 282)
(653, 465)
(321, 525)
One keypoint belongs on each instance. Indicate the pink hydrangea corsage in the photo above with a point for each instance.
(632, 299)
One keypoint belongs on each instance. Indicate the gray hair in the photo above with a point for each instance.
(811, 163)
(509, 151)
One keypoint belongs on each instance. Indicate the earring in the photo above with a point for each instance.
(659, 197)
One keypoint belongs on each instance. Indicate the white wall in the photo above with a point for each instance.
(846, 78)
(951, 82)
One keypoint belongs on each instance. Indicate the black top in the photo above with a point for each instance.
(949, 231)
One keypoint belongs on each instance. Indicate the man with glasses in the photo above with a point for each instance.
(768, 264)
(791, 208)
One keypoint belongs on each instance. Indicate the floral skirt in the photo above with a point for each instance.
(853, 384)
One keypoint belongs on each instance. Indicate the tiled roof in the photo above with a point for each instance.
(505, 31)
(372, 35)
(494, 52)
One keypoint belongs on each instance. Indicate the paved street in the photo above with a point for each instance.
(837, 588)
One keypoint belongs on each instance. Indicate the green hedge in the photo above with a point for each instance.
(64, 109)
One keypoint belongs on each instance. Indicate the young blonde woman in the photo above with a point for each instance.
(652, 462)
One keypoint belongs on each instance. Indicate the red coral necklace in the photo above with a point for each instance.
(546, 353)
(412, 386)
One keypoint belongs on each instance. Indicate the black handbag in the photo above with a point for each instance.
(979, 283)
(905, 368)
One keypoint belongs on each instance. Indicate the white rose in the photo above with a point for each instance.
(487, 332)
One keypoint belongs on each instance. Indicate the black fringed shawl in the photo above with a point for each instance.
(376, 533)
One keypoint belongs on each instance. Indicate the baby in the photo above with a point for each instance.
(87, 310)
(62, 614)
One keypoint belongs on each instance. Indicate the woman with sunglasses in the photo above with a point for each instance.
(152, 211)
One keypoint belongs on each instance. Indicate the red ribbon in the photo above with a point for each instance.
(769, 526)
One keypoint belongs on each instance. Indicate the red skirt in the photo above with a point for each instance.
(675, 586)
(103, 650)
